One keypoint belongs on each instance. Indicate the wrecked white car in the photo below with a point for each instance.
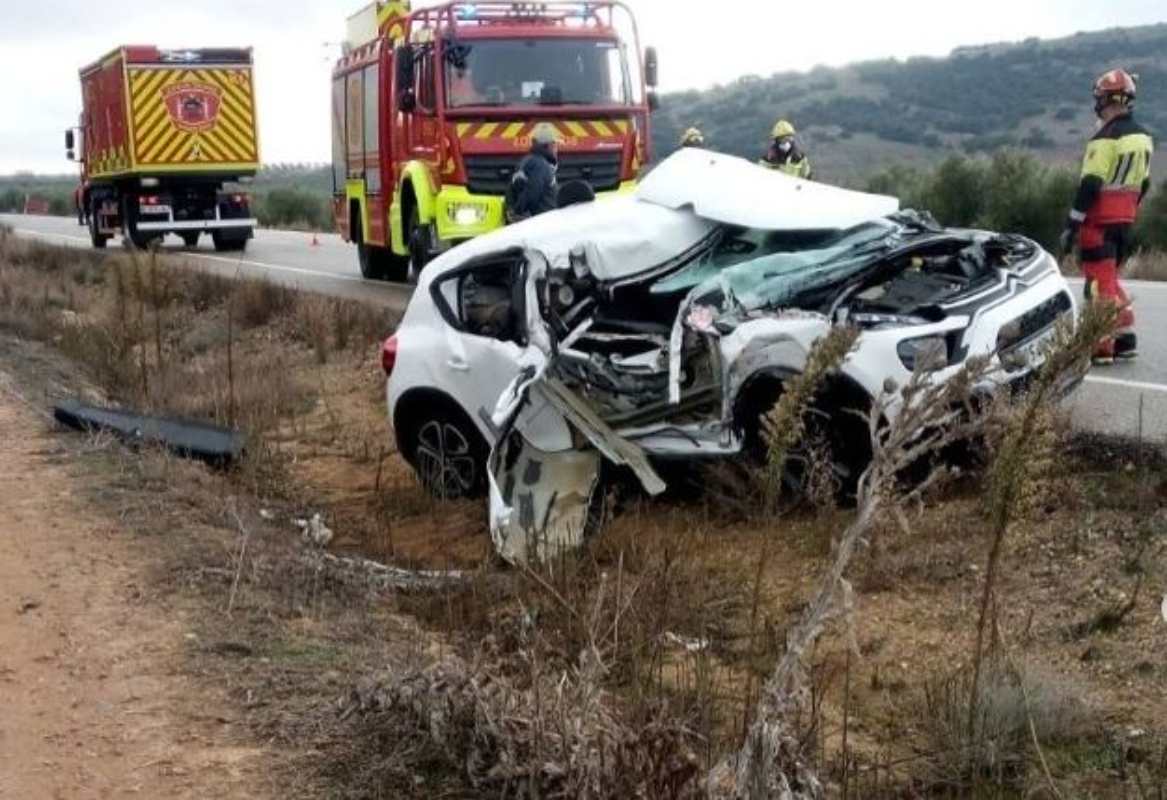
(660, 326)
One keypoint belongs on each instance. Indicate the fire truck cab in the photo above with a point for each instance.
(432, 111)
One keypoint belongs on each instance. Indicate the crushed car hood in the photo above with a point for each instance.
(734, 191)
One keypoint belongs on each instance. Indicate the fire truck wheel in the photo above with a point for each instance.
(190, 238)
(229, 243)
(382, 264)
(419, 241)
(95, 236)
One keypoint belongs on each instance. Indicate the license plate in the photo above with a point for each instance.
(1033, 353)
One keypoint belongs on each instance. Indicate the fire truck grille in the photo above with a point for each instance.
(492, 174)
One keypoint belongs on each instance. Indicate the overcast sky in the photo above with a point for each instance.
(43, 42)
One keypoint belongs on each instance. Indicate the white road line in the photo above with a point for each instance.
(1140, 385)
(223, 259)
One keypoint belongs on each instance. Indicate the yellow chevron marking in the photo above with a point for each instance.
(621, 125)
(601, 127)
(486, 131)
(513, 130)
(158, 141)
(463, 127)
(575, 129)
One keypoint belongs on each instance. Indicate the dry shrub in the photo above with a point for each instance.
(206, 290)
(555, 737)
(1147, 265)
(256, 302)
(1000, 748)
(313, 320)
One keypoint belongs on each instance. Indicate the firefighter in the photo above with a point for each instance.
(784, 154)
(534, 187)
(1116, 175)
(692, 138)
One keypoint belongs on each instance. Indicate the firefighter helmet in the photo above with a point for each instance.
(693, 138)
(1116, 87)
(782, 130)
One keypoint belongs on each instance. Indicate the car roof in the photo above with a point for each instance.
(734, 191)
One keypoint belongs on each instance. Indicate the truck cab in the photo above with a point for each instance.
(434, 111)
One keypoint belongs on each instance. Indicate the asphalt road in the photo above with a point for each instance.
(1113, 400)
(329, 266)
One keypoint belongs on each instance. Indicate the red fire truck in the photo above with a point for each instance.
(162, 131)
(433, 109)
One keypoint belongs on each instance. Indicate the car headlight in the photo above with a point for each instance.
(927, 353)
(874, 321)
(466, 214)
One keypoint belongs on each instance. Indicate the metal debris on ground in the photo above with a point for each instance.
(200, 441)
(315, 531)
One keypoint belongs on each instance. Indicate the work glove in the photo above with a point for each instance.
(1066, 242)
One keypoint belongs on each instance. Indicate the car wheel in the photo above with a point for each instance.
(449, 455)
(190, 238)
(835, 436)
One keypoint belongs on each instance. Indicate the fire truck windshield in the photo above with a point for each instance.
(530, 72)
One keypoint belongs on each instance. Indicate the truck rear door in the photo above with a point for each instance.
(193, 117)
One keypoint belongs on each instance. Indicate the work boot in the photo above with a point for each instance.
(1104, 353)
(1126, 347)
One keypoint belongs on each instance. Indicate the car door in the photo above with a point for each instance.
(483, 305)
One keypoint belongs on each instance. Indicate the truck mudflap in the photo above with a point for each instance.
(543, 503)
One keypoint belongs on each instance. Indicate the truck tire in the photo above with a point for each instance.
(379, 263)
(230, 242)
(382, 264)
(97, 238)
(419, 241)
(190, 238)
(132, 236)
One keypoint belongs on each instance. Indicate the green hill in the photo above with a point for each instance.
(856, 119)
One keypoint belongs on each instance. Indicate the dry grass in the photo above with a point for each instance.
(686, 606)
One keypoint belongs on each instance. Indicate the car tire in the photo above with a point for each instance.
(190, 238)
(834, 426)
(446, 451)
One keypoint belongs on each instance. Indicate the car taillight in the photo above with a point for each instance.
(239, 199)
(148, 200)
(389, 355)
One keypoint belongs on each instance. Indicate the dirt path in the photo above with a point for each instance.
(92, 702)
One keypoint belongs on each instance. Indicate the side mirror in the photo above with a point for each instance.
(653, 101)
(651, 67)
(69, 141)
(69, 155)
(403, 61)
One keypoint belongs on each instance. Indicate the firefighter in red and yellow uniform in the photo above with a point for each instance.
(1116, 175)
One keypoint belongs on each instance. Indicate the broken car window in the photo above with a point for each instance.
(486, 303)
(755, 256)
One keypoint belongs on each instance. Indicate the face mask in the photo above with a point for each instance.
(784, 147)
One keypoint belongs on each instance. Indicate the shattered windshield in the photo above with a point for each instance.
(765, 268)
(529, 72)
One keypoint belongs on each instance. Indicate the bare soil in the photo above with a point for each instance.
(95, 701)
